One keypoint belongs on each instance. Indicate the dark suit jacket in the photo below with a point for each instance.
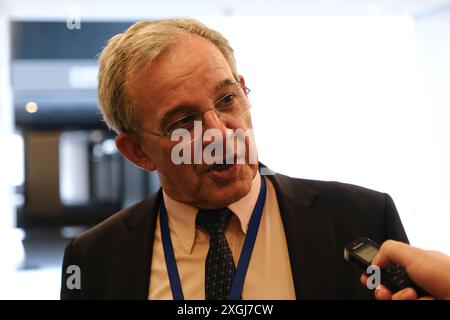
(319, 219)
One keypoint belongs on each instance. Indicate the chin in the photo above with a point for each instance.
(232, 193)
(211, 194)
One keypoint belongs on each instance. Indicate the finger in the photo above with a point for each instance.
(405, 294)
(382, 293)
(427, 298)
(363, 279)
(394, 251)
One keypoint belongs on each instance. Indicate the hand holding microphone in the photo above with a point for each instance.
(428, 269)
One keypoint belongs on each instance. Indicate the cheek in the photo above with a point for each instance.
(159, 154)
(243, 122)
(166, 163)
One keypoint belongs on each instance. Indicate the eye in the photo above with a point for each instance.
(228, 98)
(186, 122)
(226, 101)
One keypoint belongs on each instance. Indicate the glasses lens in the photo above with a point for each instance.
(230, 107)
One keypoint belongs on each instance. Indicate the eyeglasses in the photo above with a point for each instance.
(231, 106)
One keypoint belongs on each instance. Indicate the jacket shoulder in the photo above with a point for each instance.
(346, 204)
(119, 224)
(355, 210)
(313, 192)
(339, 191)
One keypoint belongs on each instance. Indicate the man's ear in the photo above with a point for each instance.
(132, 149)
(242, 81)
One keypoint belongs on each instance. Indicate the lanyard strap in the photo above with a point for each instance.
(244, 259)
(172, 270)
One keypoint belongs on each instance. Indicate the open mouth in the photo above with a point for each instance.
(221, 167)
(223, 172)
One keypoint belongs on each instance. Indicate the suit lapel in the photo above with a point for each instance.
(133, 254)
(310, 239)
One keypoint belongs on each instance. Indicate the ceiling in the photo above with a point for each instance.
(106, 9)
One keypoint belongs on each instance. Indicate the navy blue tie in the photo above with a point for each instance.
(219, 266)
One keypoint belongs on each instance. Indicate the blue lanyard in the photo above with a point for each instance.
(244, 259)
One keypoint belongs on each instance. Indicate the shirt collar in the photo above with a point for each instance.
(182, 216)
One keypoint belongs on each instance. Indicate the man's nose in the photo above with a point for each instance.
(211, 120)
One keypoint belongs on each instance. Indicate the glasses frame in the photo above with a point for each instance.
(199, 113)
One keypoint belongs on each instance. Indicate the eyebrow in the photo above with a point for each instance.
(172, 112)
(224, 83)
(183, 107)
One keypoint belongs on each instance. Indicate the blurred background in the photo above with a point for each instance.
(352, 90)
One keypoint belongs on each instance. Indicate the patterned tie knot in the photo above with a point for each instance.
(214, 221)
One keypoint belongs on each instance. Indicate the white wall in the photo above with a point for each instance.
(6, 128)
(343, 98)
(433, 43)
(11, 249)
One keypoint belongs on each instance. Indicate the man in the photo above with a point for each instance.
(214, 230)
